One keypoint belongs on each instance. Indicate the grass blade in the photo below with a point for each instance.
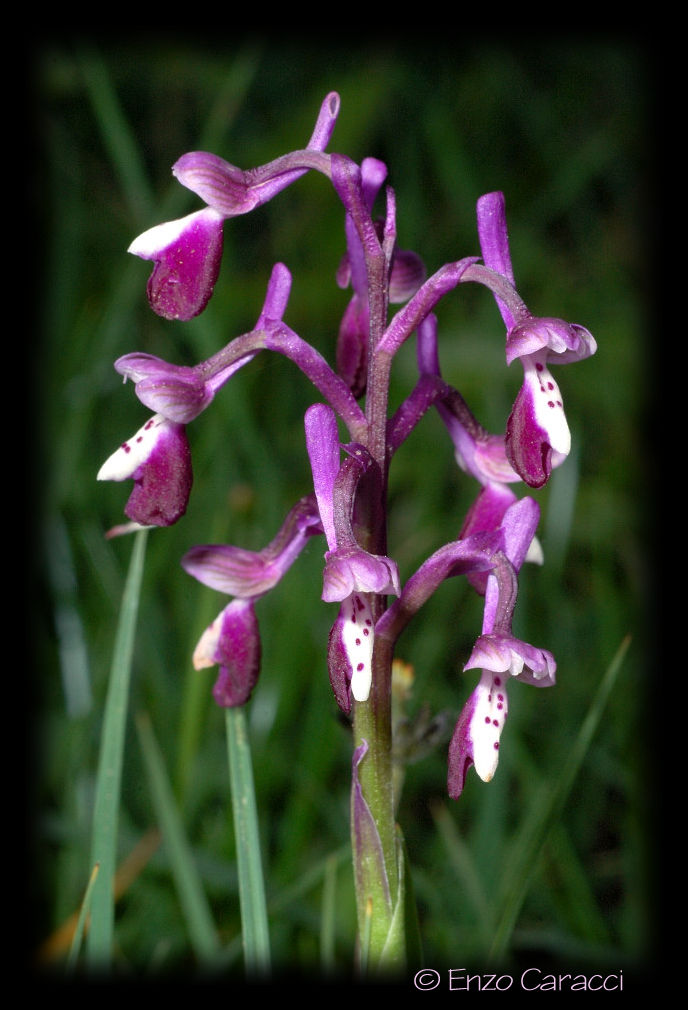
(107, 798)
(254, 920)
(81, 921)
(202, 933)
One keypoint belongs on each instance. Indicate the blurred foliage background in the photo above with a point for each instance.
(561, 126)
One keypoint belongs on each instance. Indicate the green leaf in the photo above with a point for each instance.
(108, 781)
(75, 945)
(254, 919)
(403, 947)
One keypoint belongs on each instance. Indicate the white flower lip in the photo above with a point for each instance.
(204, 653)
(357, 639)
(487, 724)
(150, 244)
(131, 454)
(548, 408)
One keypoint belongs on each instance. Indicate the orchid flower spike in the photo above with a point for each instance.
(537, 434)
(187, 252)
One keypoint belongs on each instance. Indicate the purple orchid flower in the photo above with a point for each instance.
(187, 252)
(499, 656)
(158, 459)
(537, 434)
(178, 392)
(477, 452)
(232, 640)
(351, 573)
(480, 454)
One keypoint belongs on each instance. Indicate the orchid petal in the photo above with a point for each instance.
(537, 434)
(232, 642)
(477, 734)
(501, 653)
(350, 651)
(351, 569)
(158, 459)
(406, 276)
(564, 342)
(187, 255)
(222, 186)
(322, 443)
(249, 574)
(175, 391)
(494, 242)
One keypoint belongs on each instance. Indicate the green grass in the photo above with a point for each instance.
(560, 126)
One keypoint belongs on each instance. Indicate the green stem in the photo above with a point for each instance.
(254, 919)
(377, 879)
(377, 873)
